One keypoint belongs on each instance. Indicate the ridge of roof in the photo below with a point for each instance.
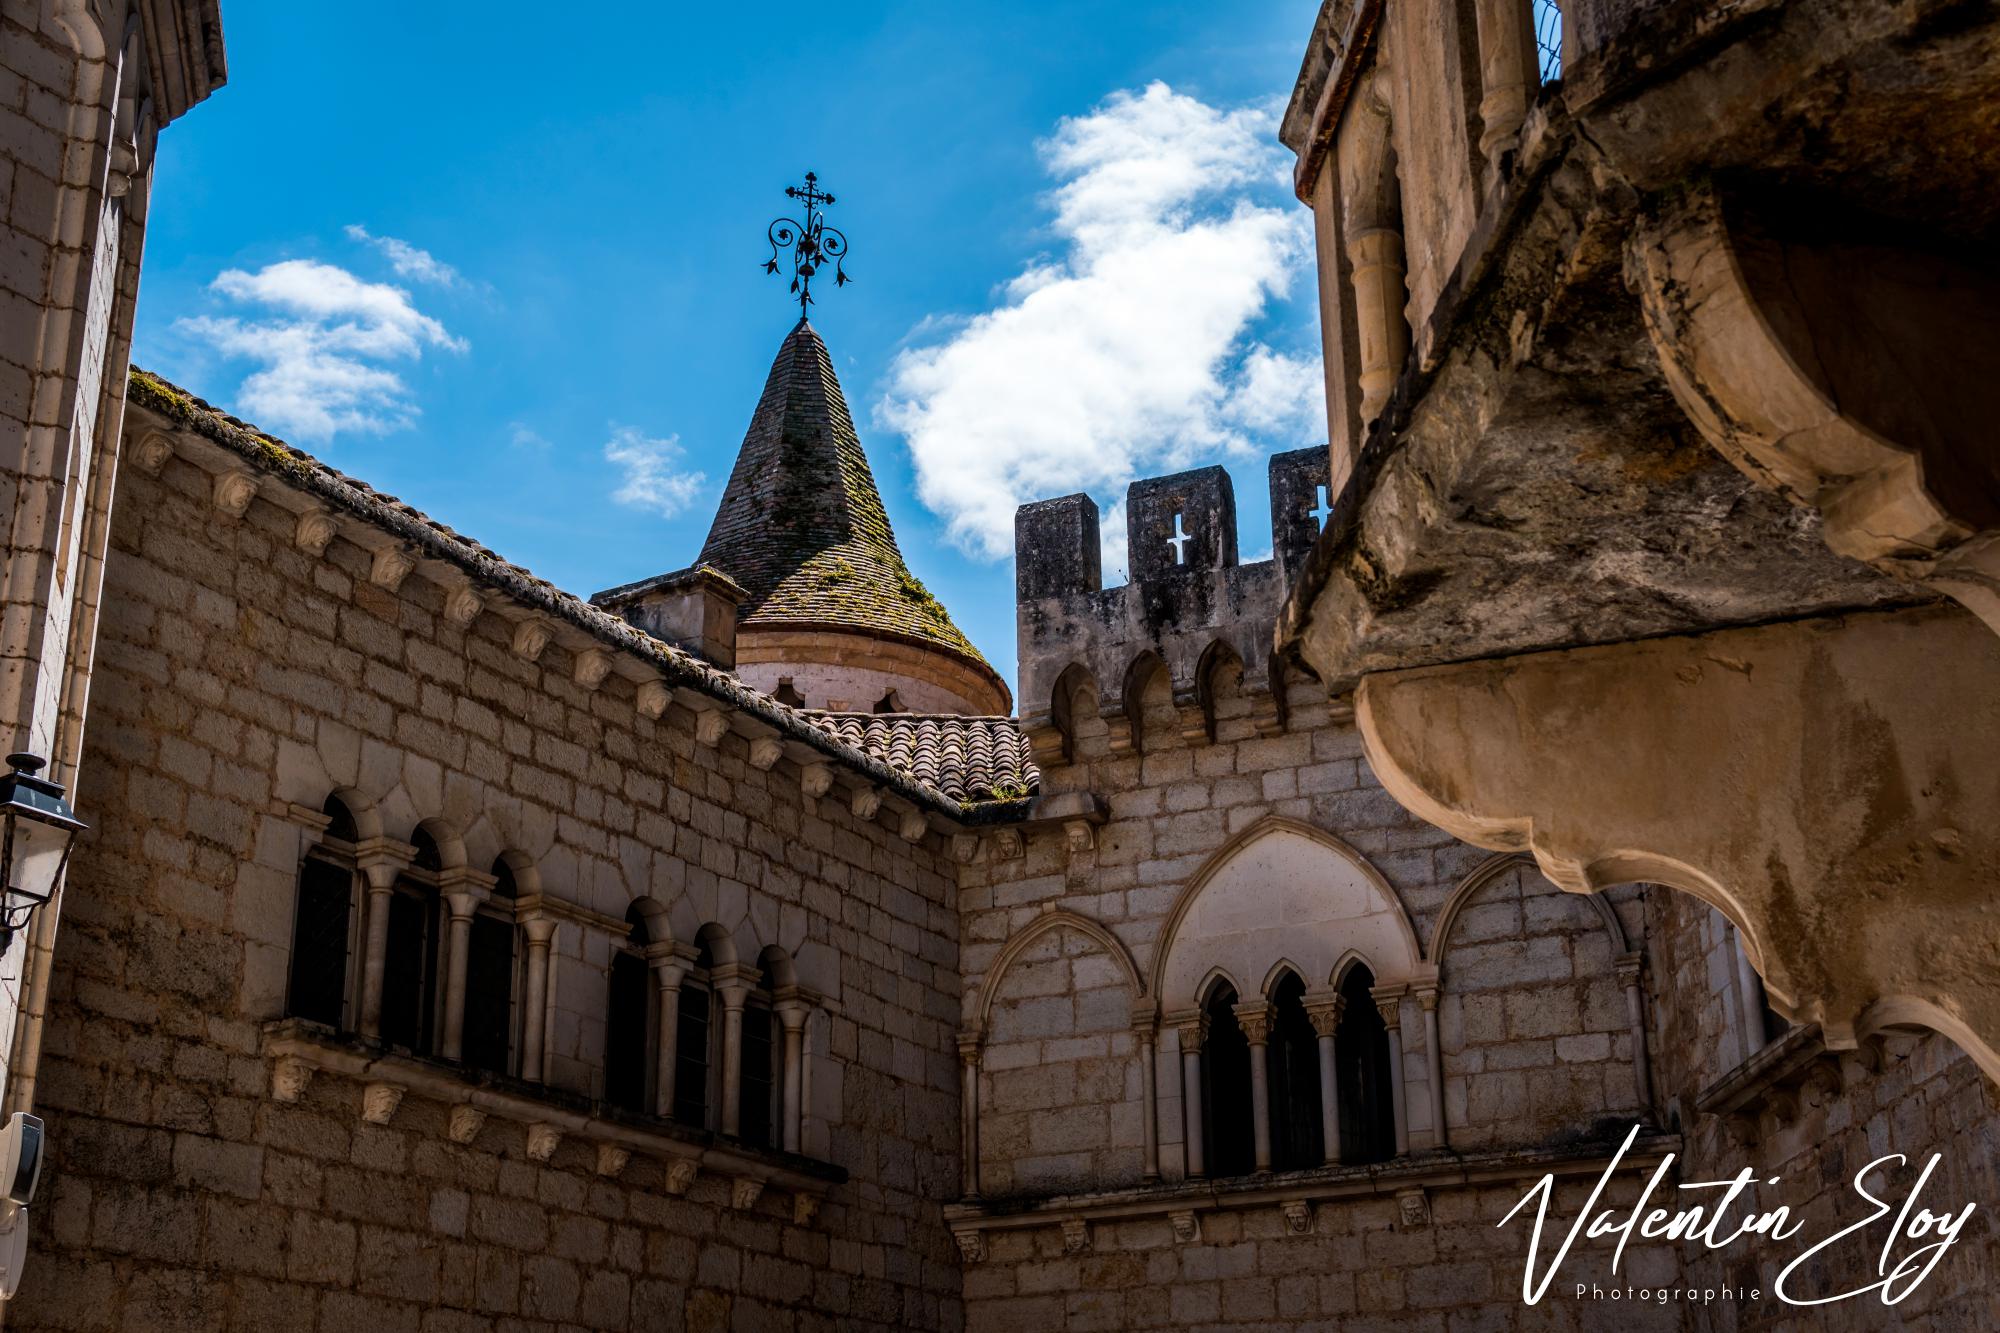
(302, 471)
(801, 525)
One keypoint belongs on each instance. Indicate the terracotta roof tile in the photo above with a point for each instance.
(966, 758)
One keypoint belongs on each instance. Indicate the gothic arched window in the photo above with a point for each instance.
(1297, 1139)
(1225, 1068)
(489, 978)
(628, 1019)
(323, 923)
(1361, 1049)
(692, 1062)
(410, 963)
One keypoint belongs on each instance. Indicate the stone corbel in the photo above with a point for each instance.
(710, 725)
(1122, 733)
(531, 636)
(912, 826)
(464, 1123)
(1186, 1226)
(816, 780)
(151, 451)
(1831, 372)
(390, 567)
(543, 1140)
(1076, 1235)
(805, 1208)
(314, 531)
(652, 699)
(765, 752)
(867, 801)
(379, 1102)
(289, 1077)
(964, 846)
(681, 1172)
(611, 1160)
(1790, 775)
(744, 1192)
(1413, 1209)
(462, 606)
(233, 491)
(971, 1246)
(1005, 844)
(590, 668)
(1298, 1217)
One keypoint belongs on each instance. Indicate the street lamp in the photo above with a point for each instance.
(37, 829)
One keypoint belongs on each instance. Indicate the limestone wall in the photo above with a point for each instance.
(241, 676)
(1813, 1126)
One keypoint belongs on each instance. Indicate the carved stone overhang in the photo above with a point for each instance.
(1792, 1074)
(1536, 480)
(1183, 1202)
(1829, 785)
(301, 1052)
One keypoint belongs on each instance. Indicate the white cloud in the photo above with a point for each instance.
(653, 478)
(406, 259)
(1131, 352)
(320, 337)
(525, 437)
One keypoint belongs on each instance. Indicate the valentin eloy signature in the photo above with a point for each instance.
(1899, 1268)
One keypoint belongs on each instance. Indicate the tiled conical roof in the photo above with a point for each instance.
(801, 526)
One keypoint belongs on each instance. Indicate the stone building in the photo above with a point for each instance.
(717, 952)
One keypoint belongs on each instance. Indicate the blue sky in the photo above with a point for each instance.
(507, 266)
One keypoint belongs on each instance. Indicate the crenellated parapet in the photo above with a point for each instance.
(1191, 612)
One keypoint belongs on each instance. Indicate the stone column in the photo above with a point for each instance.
(380, 860)
(1325, 1015)
(669, 970)
(1193, 1028)
(1509, 72)
(538, 931)
(1434, 1056)
(733, 983)
(1145, 1032)
(1630, 967)
(791, 1011)
(806, 1081)
(1389, 1002)
(461, 903)
(1376, 260)
(1254, 1017)
(969, 1043)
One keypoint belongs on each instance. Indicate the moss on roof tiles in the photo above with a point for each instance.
(801, 526)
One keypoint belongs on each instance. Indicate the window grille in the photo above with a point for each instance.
(1549, 39)
(691, 1040)
(409, 982)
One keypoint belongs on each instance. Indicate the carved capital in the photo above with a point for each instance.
(1254, 1017)
(1325, 1014)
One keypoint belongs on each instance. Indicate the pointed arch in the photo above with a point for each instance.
(1215, 977)
(1485, 873)
(1345, 964)
(1210, 674)
(1277, 974)
(1060, 919)
(1139, 677)
(1071, 687)
(1371, 913)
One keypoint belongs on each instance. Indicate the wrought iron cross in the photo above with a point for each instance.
(811, 243)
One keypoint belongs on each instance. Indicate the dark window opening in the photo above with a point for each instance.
(340, 827)
(489, 993)
(1361, 1050)
(691, 1045)
(788, 693)
(1297, 1137)
(320, 942)
(427, 855)
(1225, 1073)
(625, 1032)
(409, 982)
(503, 880)
(890, 703)
(758, 1084)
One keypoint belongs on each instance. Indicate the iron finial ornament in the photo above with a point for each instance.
(811, 243)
